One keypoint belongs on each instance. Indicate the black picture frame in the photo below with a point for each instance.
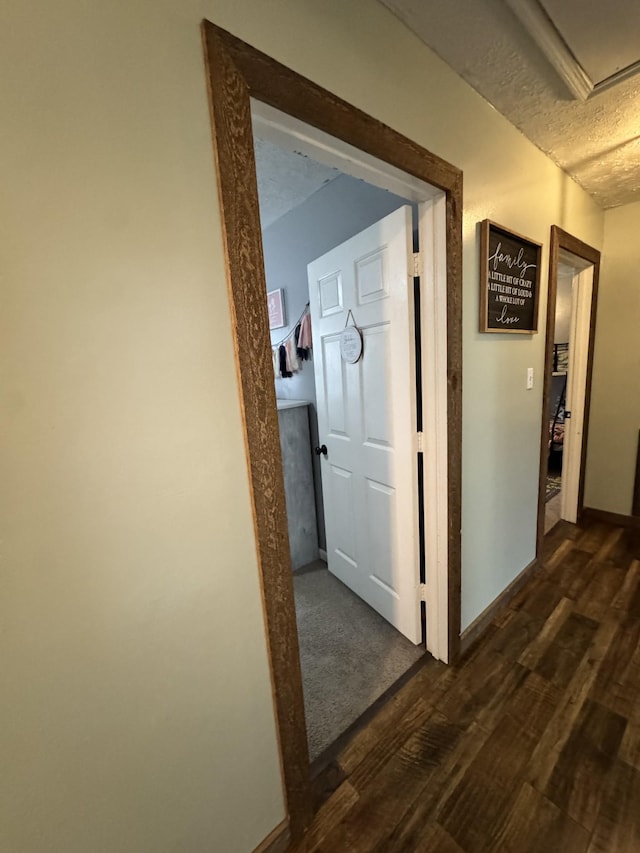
(509, 280)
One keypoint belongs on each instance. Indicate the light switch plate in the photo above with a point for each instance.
(529, 378)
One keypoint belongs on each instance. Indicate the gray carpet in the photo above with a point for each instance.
(349, 655)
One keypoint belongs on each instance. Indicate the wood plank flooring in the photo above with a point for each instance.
(530, 743)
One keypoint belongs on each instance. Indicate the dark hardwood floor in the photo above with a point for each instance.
(530, 743)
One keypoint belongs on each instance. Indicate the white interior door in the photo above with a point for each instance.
(367, 417)
(581, 294)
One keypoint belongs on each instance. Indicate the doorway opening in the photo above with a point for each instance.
(340, 250)
(237, 73)
(573, 284)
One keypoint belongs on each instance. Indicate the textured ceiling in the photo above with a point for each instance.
(286, 179)
(596, 141)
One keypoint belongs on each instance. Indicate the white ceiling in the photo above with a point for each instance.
(565, 72)
(286, 179)
(603, 37)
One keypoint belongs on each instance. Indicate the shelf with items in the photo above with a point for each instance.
(560, 359)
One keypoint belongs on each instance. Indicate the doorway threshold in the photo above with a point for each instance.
(326, 771)
(349, 655)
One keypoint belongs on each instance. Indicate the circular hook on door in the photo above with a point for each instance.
(322, 450)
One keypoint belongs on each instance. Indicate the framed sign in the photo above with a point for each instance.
(509, 280)
(351, 344)
(275, 305)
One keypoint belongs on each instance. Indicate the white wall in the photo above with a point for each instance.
(563, 308)
(562, 330)
(136, 712)
(615, 401)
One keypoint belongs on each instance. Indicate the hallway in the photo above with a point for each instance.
(531, 743)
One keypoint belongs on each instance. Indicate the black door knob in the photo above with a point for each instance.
(321, 450)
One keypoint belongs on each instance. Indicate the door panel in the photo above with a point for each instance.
(380, 509)
(330, 294)
(341, 491)
(582, 292)
(335, 387)
(366, 417)
(376, 414)
(371, 281)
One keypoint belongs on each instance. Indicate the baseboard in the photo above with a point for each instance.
(479, 625)
(277, 841)
(322, 554)
(591, 514)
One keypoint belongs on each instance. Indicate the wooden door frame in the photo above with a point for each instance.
(562, 240)
(237, 72)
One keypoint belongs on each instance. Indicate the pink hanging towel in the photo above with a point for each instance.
(293, 363)
(304, 339)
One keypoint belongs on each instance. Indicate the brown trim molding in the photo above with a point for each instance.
(235, 73)
(277, 841)
(591, 514)
(476, 629)
(635, 504)
(563, 240)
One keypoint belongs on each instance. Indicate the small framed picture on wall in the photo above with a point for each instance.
(509, 280)
(275, 304)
